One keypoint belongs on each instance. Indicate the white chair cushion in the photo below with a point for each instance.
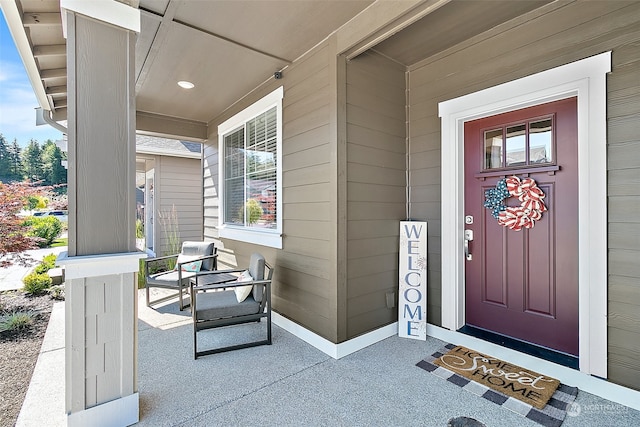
(242, 292)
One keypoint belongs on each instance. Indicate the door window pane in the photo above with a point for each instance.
(493, 149)
(516, 141)
(540, 148)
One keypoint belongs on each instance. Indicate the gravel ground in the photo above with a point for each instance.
(19, 351)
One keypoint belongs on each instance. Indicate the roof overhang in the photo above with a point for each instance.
(229, 48)
(17, 28)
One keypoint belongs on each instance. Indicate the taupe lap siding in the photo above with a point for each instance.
(376, 188)
(623, 166)
(522, 47)
(304, 288)
(178, 184)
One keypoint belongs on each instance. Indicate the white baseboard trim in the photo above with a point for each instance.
(332, 349)
(119, 412)
(572, 377)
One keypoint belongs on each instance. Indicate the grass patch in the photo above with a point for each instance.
(60, 242)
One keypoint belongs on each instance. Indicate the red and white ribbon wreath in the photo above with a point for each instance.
(531, 204)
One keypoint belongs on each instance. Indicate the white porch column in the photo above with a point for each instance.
(101, 264)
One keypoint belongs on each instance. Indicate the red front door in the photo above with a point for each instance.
(524, 284)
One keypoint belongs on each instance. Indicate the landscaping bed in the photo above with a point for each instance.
(19, 349)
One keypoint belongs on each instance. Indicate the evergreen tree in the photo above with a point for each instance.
(54, 172)
(16, 172)
(5, 161)
(32, 161)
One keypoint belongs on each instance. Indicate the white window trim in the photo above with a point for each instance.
(585, 79)
(264, 237)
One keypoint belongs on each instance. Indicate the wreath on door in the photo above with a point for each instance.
(516, 217)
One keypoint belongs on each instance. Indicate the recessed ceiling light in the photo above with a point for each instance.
(185, 84)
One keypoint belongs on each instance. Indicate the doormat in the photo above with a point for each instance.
(495, 373)
(512, 380)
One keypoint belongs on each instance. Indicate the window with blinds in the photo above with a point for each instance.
(250, 172)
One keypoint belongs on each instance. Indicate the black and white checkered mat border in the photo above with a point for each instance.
(552, 415)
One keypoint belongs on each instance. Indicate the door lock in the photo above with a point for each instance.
(468, 236)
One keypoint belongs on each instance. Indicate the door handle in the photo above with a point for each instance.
(468, 236)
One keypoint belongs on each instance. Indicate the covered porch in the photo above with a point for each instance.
(359, 147)
(289, 383)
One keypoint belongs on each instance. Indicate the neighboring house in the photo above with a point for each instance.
(168, 194)
(381, 111)
(62, 145)
(172, 190)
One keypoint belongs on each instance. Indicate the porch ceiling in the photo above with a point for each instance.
(225, 47)
(451, 24)
(229, 47)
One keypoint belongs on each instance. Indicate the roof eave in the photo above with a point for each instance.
(18, 33)
(168, 153)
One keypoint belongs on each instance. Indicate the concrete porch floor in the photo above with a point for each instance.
(289, 383)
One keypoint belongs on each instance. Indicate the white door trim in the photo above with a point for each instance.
(585, 79)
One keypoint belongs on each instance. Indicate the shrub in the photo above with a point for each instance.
(41, 268)
(36, 283)
(46, 228)
(139, 229)
(17, 321)
(13, 238)
(32, 202)
(154, 267)
(42, 202)
(169, 224)
(253, 211)
(141, 278)
(50, 261)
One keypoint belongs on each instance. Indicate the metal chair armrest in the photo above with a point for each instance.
(226, 285)
(236, 270)
(161, 258)
(180, 264)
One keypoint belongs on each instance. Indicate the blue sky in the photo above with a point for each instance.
(17, 100)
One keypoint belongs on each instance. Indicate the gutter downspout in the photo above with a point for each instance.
(44, 116)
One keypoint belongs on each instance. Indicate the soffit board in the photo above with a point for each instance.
(283, 29)
(226, 48)
(221, 71)
(156, 6)
(43, 28)
(149, 25)
(449, 25)
(41, 5)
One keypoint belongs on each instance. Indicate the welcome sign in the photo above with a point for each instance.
(412, 295)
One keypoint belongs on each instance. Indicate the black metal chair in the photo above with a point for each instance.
(178, 278)
(215, 303)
